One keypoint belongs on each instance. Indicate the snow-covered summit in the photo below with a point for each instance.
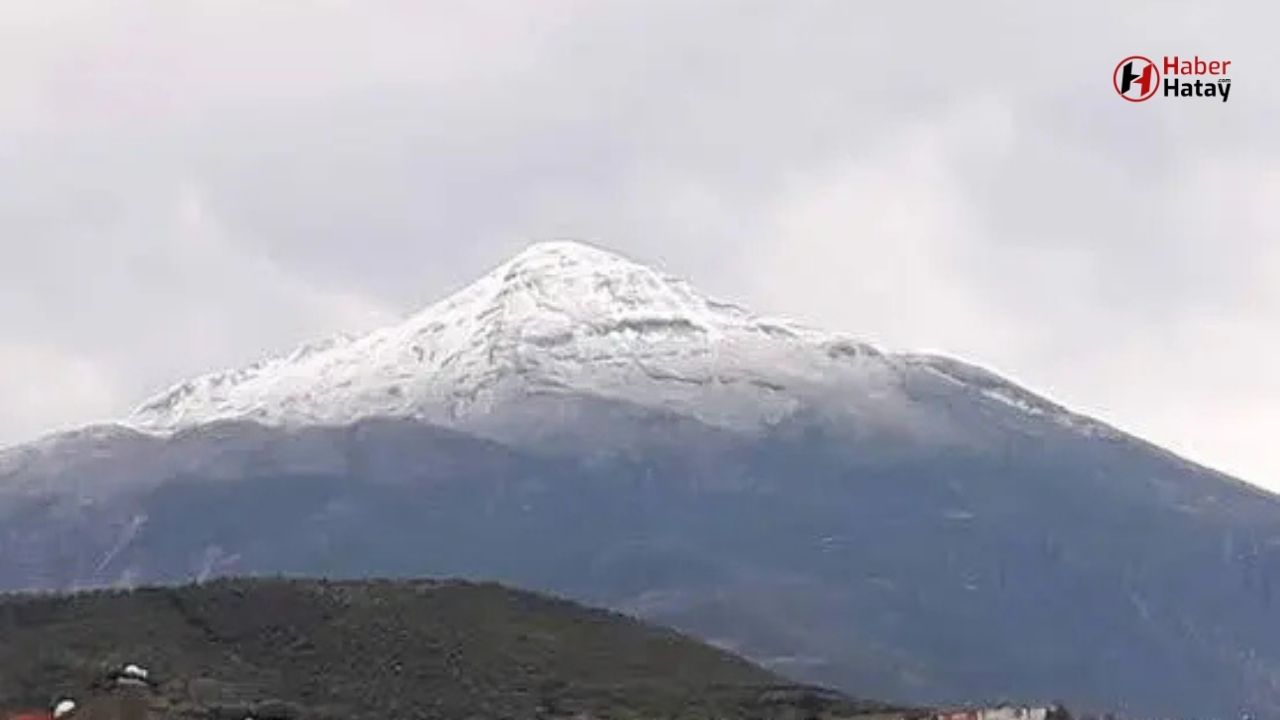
(561, 319)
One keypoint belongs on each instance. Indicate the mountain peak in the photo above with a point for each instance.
(570, 320)
(567, 251)
(559, 317)
(582, 282)
(560, 259)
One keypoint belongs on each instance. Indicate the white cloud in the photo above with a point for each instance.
(45, 388)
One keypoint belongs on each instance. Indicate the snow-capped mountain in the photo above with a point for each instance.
(561, 316)
(905, 527)
(568, 319)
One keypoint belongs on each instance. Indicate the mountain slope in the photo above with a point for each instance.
(379, 649)
(901, 526)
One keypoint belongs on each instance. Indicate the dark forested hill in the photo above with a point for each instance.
(379, 649)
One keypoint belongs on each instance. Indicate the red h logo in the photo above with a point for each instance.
(1136, 78)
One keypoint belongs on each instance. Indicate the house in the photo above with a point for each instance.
(1002, 712)
(958, 715)
(1010, 712)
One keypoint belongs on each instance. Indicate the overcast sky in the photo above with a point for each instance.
(186, 186)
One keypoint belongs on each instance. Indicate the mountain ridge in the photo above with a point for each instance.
(567, 317)
(284, 399)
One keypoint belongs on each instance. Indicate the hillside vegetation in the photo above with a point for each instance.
(291, 648)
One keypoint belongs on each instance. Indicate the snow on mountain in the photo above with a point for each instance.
(563, 319)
